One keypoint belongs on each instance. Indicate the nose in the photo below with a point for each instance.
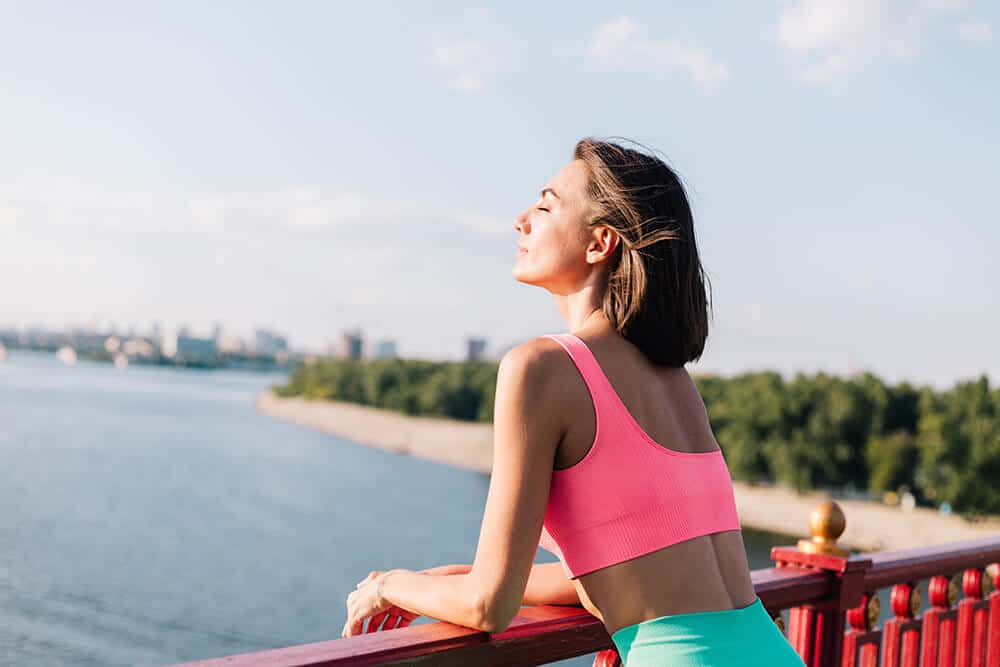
(521, 221)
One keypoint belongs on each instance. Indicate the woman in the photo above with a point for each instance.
(603, 452)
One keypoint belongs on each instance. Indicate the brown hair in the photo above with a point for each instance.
(655, 294)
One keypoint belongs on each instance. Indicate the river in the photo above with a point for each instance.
(152, 516)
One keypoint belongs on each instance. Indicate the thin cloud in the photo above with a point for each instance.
(294, 207)
(488, 226)
(976, 31)
(833, 38)
(621, 44)
(466, 63)
(72, 204)
(287, 210)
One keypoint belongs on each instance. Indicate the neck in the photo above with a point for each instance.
(581, 310)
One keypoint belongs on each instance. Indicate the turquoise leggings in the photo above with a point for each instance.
(745, 636)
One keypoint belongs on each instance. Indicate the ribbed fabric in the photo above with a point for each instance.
(629, 495)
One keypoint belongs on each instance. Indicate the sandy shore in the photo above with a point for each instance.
(870, 526)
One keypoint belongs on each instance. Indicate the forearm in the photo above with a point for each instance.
(547, 584)
(452, 598)
(447, 598)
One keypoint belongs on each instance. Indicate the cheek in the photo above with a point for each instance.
(559, 253)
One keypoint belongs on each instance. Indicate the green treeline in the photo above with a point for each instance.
(817, 431)
(460, 390)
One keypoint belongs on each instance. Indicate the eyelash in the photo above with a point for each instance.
(542, 208)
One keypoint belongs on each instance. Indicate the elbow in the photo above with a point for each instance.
(494, 624)
(494, 616)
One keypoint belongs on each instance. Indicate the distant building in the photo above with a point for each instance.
(8, 336)
(266, 343)
(139, 348)
(351, 345)
(231, 344)
(190, 350)
(476, 349)
(385, 349)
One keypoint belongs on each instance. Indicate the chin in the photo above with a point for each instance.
(526, 278)
(521, 276)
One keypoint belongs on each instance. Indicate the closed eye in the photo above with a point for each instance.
(542, 208)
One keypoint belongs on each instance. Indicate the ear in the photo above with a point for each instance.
(603, 242)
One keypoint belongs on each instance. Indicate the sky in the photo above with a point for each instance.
(314, 167)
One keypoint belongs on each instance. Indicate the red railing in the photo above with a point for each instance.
(831, 598)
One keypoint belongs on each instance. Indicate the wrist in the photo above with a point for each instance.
(380, 595)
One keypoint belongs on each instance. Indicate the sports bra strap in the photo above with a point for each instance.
(602, 393)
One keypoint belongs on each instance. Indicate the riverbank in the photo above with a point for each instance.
(870, 526)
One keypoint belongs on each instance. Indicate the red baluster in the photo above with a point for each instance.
(970, 650)
(993, 632)
(941, 592)
(862, 620)
(607, 658)
(901, 645)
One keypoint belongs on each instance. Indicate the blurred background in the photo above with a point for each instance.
(199, 202)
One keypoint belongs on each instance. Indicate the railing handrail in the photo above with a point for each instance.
(543, 634)
(903, 565)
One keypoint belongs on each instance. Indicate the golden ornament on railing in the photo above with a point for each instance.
(826, 524)
(914, 601)
(874, 611)
(953, 585)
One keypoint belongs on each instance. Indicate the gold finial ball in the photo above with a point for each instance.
(826, 524)
(827, 521)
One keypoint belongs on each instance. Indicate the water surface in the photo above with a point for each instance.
(152, 516)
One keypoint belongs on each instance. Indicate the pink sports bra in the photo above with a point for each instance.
(629, 495)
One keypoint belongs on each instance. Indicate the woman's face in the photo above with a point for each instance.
(554, 237)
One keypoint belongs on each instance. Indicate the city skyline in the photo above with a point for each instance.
(361, 167)
(352, 343)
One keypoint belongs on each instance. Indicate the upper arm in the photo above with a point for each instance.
(526, 432)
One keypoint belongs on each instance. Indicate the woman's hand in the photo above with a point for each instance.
(366, 602)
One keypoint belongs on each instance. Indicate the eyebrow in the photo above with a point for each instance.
(542, 193)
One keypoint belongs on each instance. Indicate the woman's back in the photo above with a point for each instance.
(705, 573)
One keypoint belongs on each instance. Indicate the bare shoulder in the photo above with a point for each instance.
(536, 353)
(538, 362)
(528, 400)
